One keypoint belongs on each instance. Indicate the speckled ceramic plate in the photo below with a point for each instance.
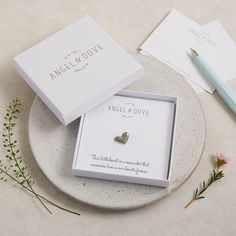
(53, 145)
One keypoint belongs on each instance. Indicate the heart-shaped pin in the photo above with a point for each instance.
(123, 138)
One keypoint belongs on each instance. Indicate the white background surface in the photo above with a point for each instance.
(24, 23)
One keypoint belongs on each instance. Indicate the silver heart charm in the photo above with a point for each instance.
(123, 138)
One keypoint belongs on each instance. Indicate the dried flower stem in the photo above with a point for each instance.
(39, 196)
(215, 175)
(13, 168)
(15, 108)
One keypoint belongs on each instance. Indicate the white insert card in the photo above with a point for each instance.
(145, 158)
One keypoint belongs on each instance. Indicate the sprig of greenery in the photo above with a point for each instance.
(12, 168)
(216, 174)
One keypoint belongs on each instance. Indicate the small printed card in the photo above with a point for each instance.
(218, 30)
(146, 122)
(171, 41)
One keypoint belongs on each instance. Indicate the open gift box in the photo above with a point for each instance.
(128, 138)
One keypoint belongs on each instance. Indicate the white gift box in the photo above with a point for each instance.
(77, 68)
(148, 119)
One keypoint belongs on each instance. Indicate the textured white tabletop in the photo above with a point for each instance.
(24, 23)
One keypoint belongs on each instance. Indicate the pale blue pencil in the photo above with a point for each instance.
(227, 94)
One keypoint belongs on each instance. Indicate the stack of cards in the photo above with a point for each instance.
(171, 41)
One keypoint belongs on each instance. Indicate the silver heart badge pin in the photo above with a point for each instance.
(123, 138)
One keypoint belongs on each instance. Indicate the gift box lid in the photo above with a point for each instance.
(77, 68)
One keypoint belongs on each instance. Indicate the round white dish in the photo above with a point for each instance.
(53, 145)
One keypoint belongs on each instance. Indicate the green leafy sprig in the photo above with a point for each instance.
(215, 175)
(12, 167)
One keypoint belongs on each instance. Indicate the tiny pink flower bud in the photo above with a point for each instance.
(221, 160)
